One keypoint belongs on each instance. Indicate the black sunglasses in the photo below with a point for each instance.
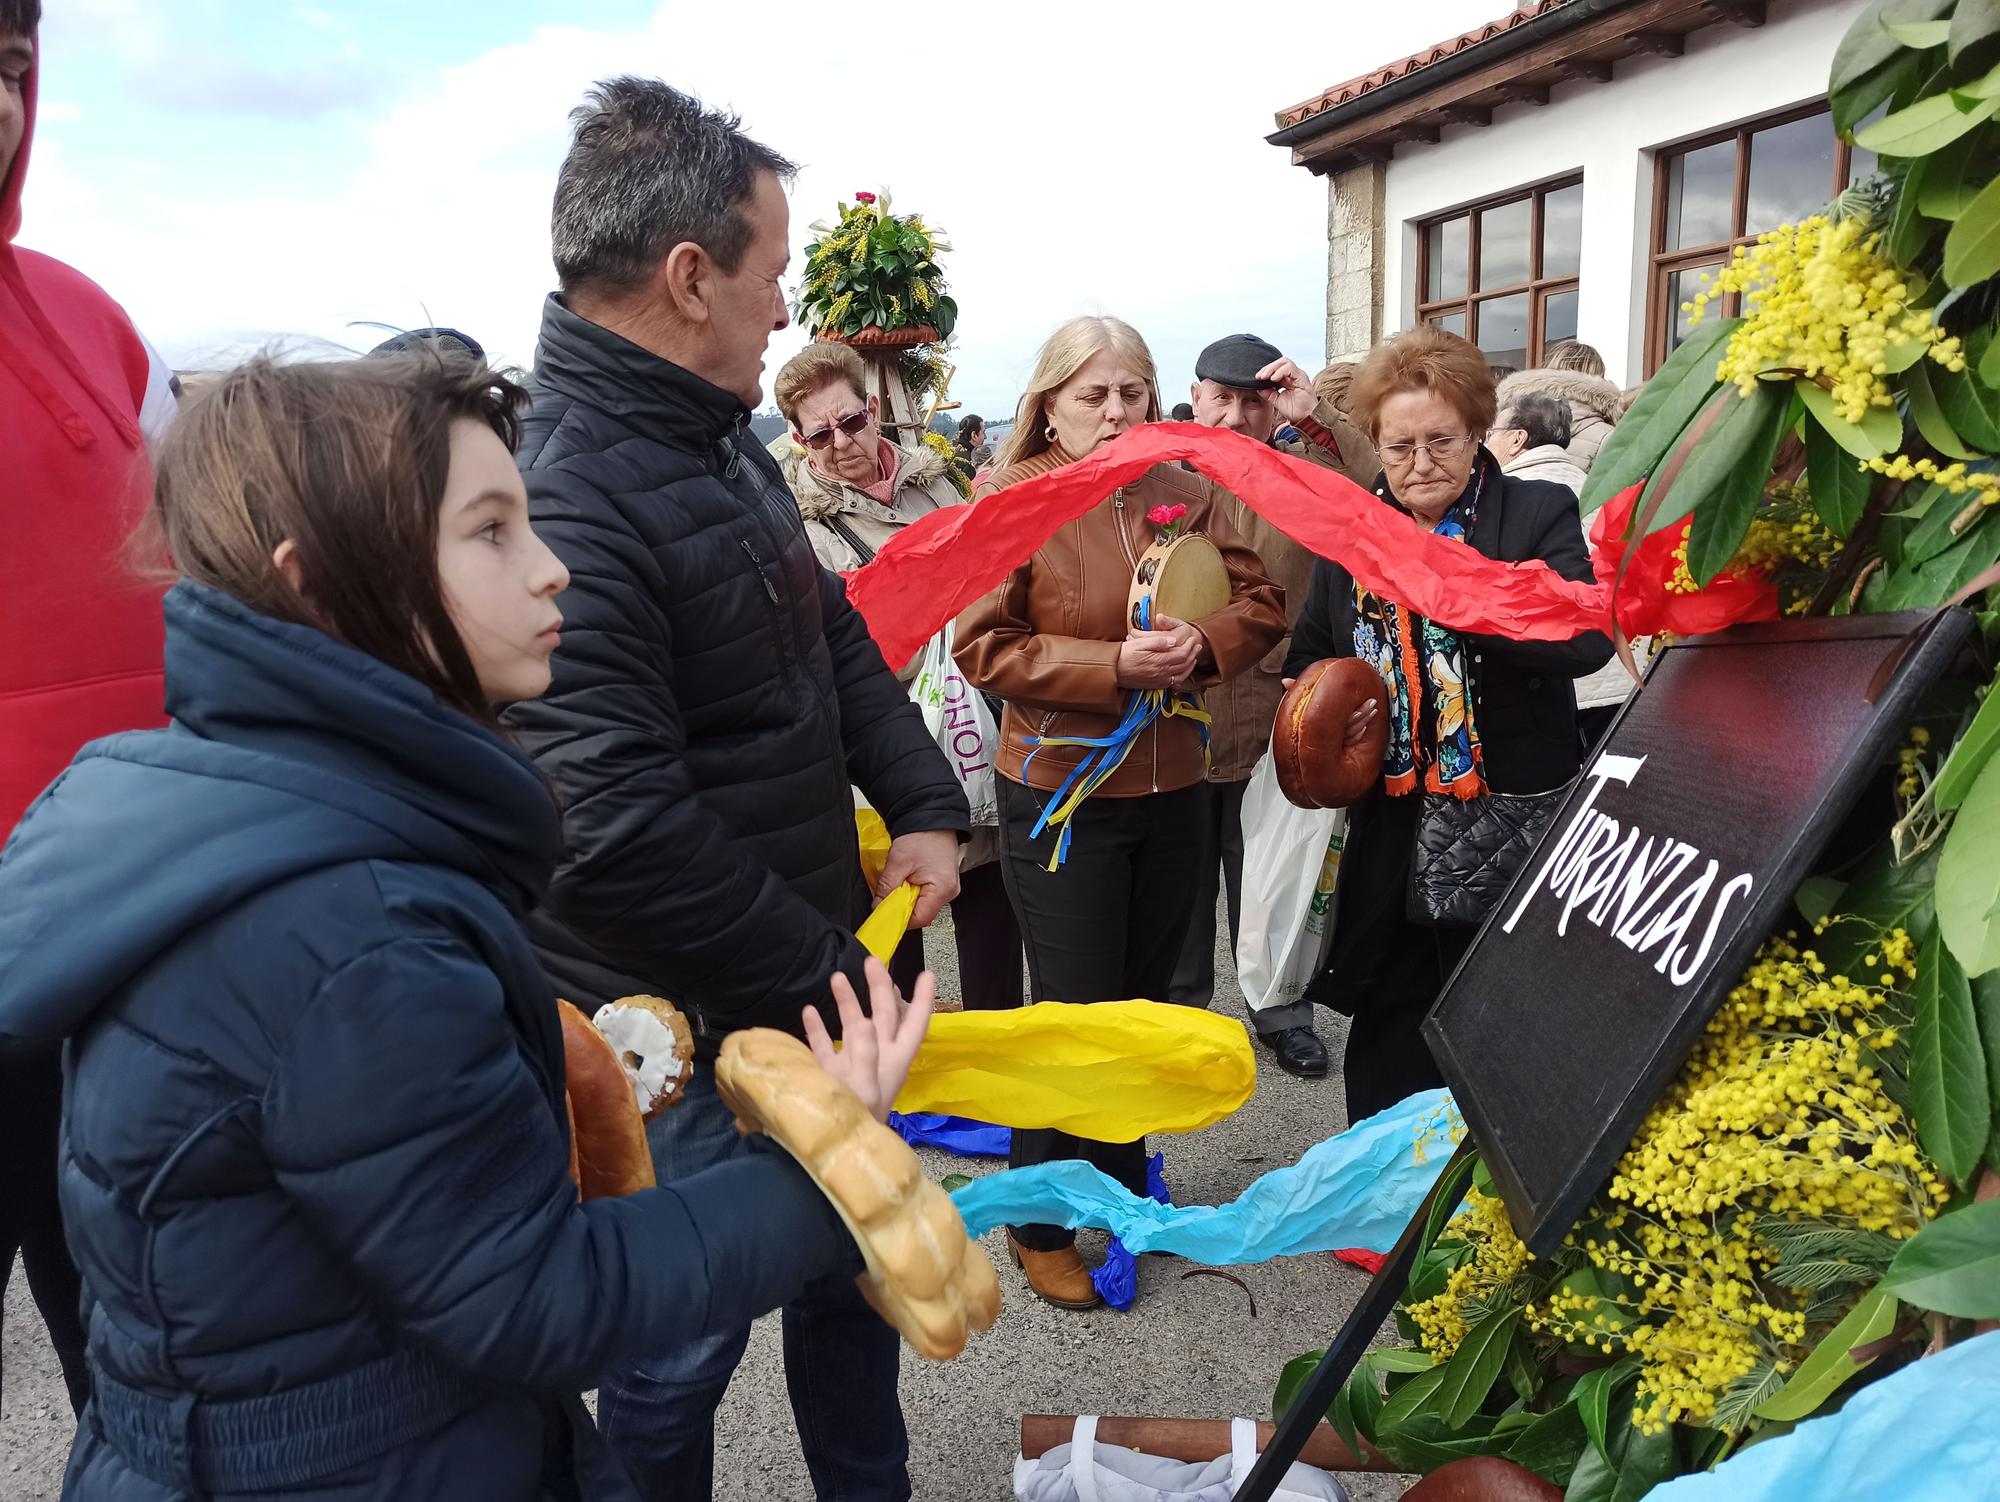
(851, 424)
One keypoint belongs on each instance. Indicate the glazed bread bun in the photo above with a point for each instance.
(607, 1138)
(1316, 767)
(925, 1276)
(655, 1044)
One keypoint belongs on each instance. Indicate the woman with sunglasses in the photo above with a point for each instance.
(1467, 714)
(856, 489)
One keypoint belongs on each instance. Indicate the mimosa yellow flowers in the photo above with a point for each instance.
(1824, 302)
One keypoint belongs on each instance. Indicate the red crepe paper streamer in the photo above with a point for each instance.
(934, 568)
(1368, 1262)
(1646, 605)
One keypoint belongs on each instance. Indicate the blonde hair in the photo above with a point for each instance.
(818, 364)
(1068, 350)
(1574, 354)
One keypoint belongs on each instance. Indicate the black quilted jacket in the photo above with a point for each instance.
(1523, 693)
(714, 696)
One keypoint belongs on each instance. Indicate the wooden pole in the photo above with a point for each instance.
(900, 417)
(1298, 1424)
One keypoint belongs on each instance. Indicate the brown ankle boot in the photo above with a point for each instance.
(1060, 1277)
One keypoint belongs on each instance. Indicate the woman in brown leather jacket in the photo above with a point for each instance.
(1054, 643)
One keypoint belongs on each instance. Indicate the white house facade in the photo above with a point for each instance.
(1570, 170)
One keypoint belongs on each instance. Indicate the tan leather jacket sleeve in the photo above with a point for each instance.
(999, 651)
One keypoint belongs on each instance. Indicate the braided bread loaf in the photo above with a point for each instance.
(925, 1276)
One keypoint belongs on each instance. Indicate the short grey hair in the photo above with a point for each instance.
(649, 168)
(1544, 418)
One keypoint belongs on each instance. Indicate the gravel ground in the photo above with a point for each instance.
(1189, 1346)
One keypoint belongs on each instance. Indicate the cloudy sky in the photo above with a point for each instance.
(234, 170)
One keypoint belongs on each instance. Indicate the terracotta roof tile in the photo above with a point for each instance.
(1354, 88)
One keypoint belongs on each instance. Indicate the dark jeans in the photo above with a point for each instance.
(1384, 971)
(31, 1215)
(1105, 926)
(841, 1363)
(989, 944)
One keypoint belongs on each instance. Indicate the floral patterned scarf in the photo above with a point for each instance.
(1432, 737)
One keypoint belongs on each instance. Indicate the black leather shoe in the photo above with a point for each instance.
(1299, 1052)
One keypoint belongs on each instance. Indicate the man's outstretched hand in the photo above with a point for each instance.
(930, 860)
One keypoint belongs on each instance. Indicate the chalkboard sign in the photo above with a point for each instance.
(1674, 857)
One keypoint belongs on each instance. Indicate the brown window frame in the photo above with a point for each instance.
(1538, 287)
(1664, 265)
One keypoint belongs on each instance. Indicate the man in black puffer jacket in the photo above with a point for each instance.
(715, 695)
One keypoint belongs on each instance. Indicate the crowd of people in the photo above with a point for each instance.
(480, 690)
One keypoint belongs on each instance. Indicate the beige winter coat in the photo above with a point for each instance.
(834, 509)
(1546, 462)
(1594, 406)
(838, 516)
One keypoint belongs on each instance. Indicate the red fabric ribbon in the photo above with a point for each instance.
(1645, 604)
(934, 568)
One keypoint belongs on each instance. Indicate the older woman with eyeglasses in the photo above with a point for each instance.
(1469, 714)
(855, 488)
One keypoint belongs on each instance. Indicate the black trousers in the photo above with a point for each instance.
(31, 1215)
(989, 944)
(1221, 872)
(1105, 926)
(1383, 970)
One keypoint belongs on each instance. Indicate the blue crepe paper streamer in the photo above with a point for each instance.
(1355, 1190)
(1923, 1434)
(955, 1134)
(1117, 1276)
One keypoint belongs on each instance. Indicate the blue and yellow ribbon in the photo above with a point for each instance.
(1105, 754)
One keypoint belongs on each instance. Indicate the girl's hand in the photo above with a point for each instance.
(876, 1051)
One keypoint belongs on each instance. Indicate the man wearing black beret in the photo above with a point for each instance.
(1246, 385)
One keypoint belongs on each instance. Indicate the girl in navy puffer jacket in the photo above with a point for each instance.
(315, 1152)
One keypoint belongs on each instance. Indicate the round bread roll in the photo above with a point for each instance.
(925, 1276)
(608, 1153)
(654, 1043)
(1316, 767)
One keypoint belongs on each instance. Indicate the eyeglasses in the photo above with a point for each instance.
(1438, 451)
(851, 424)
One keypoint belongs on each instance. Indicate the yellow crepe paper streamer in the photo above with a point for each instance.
(874, 837)
(1113, 1071)
(886, 926)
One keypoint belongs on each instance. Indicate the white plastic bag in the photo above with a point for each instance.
(960, 723)
(1082, 1472)
(1291, 858)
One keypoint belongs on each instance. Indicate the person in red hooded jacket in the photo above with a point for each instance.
(80, 393)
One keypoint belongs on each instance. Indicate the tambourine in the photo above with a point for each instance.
(1316, 767)
(1184, 578)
